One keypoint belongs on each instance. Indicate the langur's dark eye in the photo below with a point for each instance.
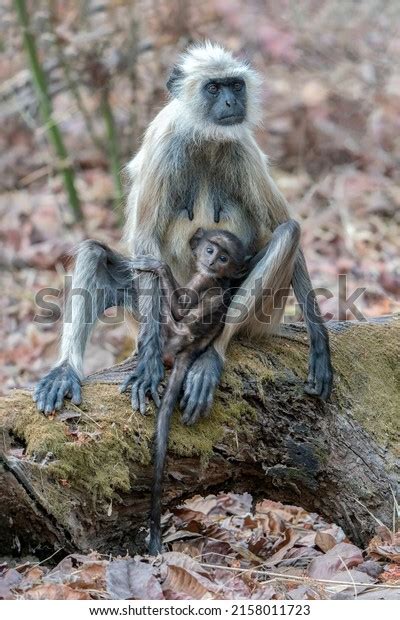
(209, 250)
(212, 88)
(223, 258)
(238, 86)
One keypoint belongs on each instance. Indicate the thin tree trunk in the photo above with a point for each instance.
(64, 165)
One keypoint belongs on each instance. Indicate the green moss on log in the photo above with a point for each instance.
(366, 359)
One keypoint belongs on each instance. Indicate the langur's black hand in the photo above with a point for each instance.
(145, 378)
(201, 381)
(60, 382)
(320, 374)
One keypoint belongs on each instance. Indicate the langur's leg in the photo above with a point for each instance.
(102, 279)
(320, 374)
(256, 307)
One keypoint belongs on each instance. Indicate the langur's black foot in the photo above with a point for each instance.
(59, 383)
(320, 376)
(201, 382)
(145, 378)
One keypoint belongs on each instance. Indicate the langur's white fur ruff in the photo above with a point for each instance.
(201, 63)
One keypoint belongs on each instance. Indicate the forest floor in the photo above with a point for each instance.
(223, 548)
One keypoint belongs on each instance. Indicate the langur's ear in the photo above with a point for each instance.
(197, 237)
(174, 80)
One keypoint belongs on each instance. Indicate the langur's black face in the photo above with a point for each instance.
(225, 100)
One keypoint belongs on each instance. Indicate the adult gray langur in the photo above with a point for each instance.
(199, 166)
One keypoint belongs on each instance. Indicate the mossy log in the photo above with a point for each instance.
(81, 481)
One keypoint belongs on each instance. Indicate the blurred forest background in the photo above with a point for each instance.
(331, 128)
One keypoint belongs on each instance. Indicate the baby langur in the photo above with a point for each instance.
(194, 317)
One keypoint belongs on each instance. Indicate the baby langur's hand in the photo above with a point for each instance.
(146, 263)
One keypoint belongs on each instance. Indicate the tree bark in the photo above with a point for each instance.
(81, 481)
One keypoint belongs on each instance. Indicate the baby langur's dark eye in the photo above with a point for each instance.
(223, 258)
(212, 88)
(209, 250)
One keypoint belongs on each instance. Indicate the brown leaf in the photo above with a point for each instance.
(264, 592)
(303, 593)
(9, 579)
(180, 581)
(91, 575)
(273, 524)
(31, 577)
(54, 592)
(244, 552)
(391, 574)
(79, 572)
(380, 594)
(282, 547)
(200, 504)
(290, 514)
(372, 568)
(302, 553)
(232, 586)
(351, 576)
(132, 579)
(192, 548)
(180, 535)
(217, 552)
(235, 503)
(384, 534)
(185, 515)
(216, 532)
(61, 572)
(170, 595)
(173, 558)
(324, 541)
(224, 503)
(338, 558)
(385, 545)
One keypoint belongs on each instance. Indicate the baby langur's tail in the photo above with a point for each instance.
(165, 411)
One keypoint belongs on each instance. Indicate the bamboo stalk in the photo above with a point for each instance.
(54, 134)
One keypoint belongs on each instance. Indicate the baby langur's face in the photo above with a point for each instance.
(214, 260)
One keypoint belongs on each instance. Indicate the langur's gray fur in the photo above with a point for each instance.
(190, 173)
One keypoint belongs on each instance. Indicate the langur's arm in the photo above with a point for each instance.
(180, 299)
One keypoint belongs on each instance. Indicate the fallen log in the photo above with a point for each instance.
(81, 481)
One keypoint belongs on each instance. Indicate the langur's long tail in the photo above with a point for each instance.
(160, 447)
